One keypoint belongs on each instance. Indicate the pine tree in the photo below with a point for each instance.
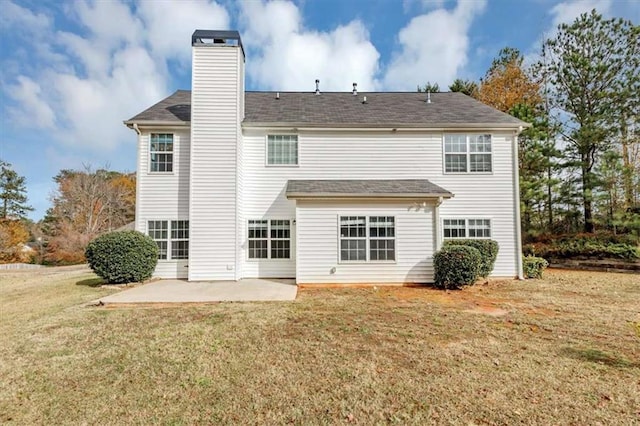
(593, 67)
(468, 87)
(13, 198)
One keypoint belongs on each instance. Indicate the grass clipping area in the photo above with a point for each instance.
(563, 350)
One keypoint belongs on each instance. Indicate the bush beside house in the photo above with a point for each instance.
(122, 257)
(488, 252)
(533, 266)
(456, 266)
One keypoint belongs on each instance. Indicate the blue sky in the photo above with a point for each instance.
(73, 71)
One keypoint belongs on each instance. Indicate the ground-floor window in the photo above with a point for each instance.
(172, 237)
(269, 239)
(466, 228)
(367, 238)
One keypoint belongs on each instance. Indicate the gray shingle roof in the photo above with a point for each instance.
(342, 109)
(392, 188)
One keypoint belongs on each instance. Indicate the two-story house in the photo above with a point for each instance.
(340, 187)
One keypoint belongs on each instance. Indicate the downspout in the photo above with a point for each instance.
(436, 220)
(516, 197)
(137, 208)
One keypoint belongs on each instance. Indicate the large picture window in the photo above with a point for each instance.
(269, 239)
(467, 153)
(282, 150)
(172, 238)
(367, 238)
(161, 152)
(466, 228)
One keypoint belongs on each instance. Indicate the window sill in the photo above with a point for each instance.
(287, 166)
(367, 262)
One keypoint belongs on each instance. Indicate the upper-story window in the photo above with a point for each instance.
(161, 152)
(467, 153)
(282, 150)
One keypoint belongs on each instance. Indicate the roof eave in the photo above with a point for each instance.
(156, 123)
(344, 196)
(386, 127)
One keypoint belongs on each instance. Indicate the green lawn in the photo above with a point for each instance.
(563, 350)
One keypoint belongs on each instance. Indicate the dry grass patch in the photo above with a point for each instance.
(562, 351)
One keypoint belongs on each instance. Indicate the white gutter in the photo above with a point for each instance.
(516, 197)
(343, 196)
(135, 127)
(436, 127)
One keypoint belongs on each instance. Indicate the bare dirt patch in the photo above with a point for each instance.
(566, 352)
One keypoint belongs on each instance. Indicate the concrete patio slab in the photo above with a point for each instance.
(182, 291)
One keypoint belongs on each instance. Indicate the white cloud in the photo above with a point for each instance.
(434, 47)
(114, 68)
(169, 25)
(566, 12)
(15, 16)
(283, 55)
(34, 110)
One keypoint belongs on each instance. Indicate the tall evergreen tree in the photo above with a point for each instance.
(593, 68)
(468, 87)
(13, 198)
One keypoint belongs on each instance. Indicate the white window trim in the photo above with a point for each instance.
(174, 138)
(367, 239)
(168, 239)
(266, 150)
(466, 227)
(467, 153)
(269, 258)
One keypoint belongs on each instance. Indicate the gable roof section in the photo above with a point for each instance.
(343, 109)
(391, 188)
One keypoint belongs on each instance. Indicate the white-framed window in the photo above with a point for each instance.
(179, 239)
(158, 231)
(161, 152)
(282, 150)
(466, 228)
(467, 153)
(269, 239)
(367, 238)
(172, 237)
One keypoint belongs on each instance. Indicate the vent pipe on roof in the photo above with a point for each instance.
(355, 90)
(277, 95)
(428, 96)
(364, 100)
(317, 86)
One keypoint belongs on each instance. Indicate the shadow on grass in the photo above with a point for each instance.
(91, 282)
(599, 357)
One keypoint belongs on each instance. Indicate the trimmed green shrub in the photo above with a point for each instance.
(488, 251)
(122, 257)
(456, 266)
(533, 267)
(584, 245)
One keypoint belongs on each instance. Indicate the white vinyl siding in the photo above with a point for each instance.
(467, 153)
(380, 155)
(216, 113)
(163, 196)
(319, 239)
(282, 150)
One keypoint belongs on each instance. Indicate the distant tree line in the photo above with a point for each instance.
(86, 203)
